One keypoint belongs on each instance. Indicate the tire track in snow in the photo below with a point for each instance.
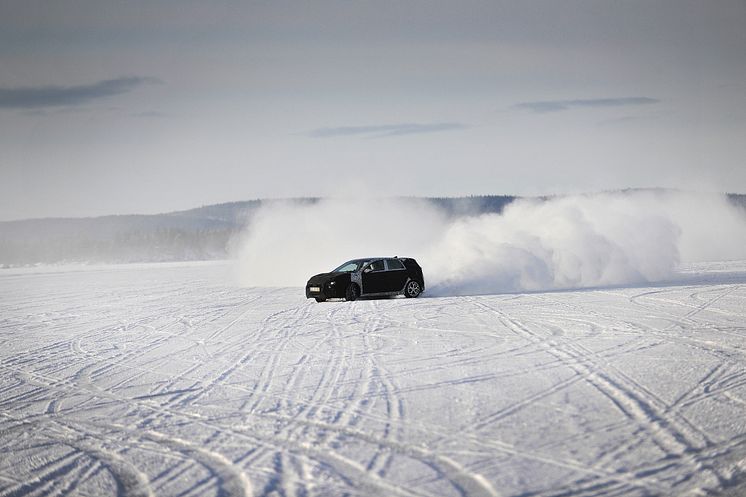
(47, 479)
(674, 411)
(706, 304)
(343, 422)
(504, 448)
(632, 401)
(266, 376)
(647, 331)
(262, 391)
(632, 407)
(129, 480)
(185, 395)
(300, 426)
(232, 481)
(686, 318)
(603, 358)
(464, 481)
(221, 379)
(395, 411)
(292, 474)
(132, 482)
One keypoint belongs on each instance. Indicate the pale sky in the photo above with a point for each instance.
(154, 106)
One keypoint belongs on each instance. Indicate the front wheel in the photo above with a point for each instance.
(352, 292)
(413, 289)
(320, 299)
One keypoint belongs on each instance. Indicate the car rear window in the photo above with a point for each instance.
(394, 264)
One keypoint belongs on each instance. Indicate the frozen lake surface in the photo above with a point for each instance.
(167, 380)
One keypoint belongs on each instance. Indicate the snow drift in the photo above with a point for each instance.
(534, 244)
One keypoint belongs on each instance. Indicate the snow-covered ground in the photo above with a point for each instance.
(166, 380)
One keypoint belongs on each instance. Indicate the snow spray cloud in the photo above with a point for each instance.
(287, 242)
(574, 241)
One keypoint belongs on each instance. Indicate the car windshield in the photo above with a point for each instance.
(348, 267)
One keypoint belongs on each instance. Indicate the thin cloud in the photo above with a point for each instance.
(66, 96)
(385, 130)
(544, 106)
(150, 114)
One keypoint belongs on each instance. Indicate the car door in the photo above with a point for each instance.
(374, 277)
(396, 275)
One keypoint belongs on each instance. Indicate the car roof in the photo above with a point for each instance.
(364, 259)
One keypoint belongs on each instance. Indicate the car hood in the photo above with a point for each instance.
(322, 278)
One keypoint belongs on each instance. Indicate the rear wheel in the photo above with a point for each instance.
(352, 292)
(413, 289)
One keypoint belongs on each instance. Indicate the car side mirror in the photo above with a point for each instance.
(368, 269)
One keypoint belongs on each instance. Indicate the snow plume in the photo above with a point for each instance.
(287, 242)
(534, 244)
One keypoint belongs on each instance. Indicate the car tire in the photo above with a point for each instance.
(413, 289)
(320, 299)
(352, 292)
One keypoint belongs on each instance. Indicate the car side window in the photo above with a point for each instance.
(394, 264)
(377, 265)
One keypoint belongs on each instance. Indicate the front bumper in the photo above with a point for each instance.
(327, 290)
(315, 291)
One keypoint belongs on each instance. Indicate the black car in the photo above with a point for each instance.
(373, 276)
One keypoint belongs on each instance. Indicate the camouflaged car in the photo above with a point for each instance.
(368, 277)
